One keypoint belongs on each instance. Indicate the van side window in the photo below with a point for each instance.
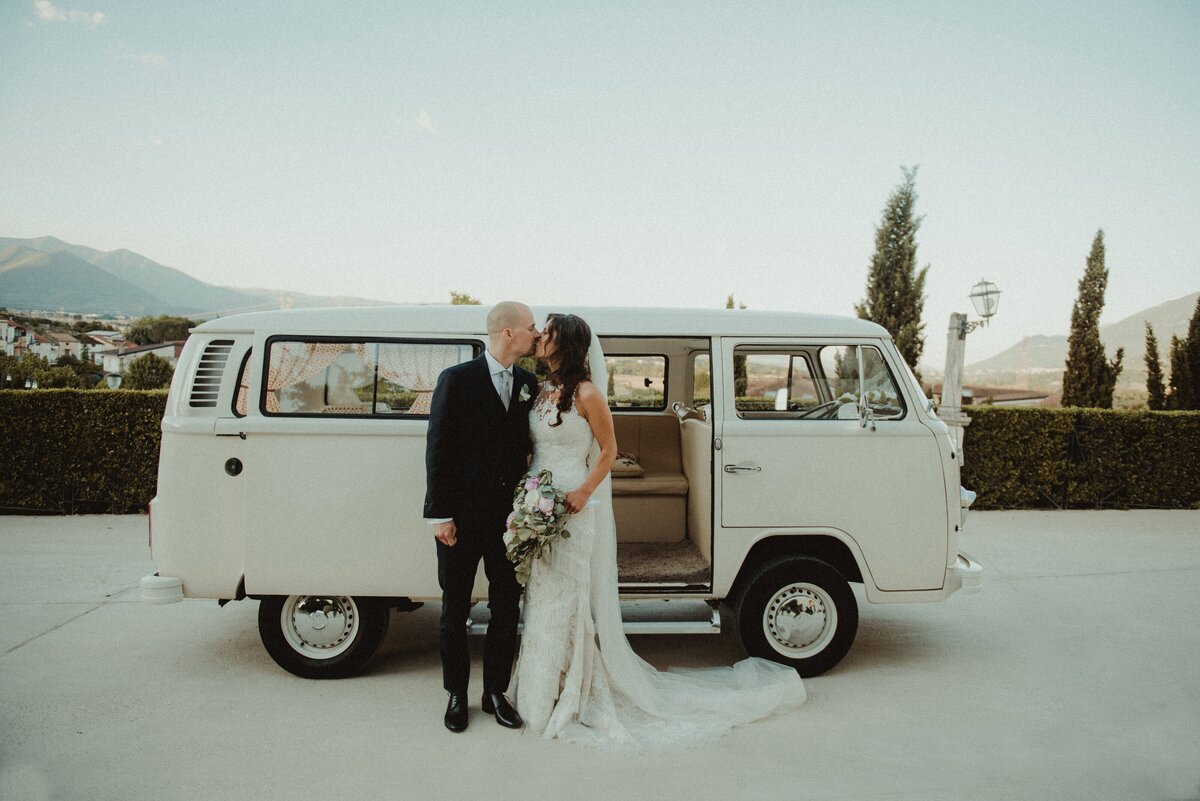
(241, 401)
(636, 382)
(813, 383)
(701, 380)
(840, 366)
(356, 377)
(773, 382)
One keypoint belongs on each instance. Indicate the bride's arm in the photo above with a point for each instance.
(593, 406)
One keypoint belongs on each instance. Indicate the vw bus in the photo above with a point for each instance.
(769, 461)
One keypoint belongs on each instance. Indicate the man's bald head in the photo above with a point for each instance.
(511, 331)
(508, 314)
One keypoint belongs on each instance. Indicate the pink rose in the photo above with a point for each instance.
(531, 483)
(508, 523)
(546, 506)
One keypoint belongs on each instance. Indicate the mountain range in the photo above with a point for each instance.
(1038, 361)
(48, 274)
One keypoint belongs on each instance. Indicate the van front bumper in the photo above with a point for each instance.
(158, 589)
(965, 575)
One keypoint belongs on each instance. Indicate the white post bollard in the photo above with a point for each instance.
(950, 410)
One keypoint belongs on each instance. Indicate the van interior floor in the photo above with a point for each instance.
(661, 563)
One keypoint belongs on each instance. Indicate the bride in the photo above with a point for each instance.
(577, 678)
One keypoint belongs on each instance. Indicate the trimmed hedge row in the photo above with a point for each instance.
(69, 451)
(1082, 458)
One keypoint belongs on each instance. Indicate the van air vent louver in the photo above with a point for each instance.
(207, 382)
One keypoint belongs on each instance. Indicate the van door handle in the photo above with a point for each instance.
(737, 468)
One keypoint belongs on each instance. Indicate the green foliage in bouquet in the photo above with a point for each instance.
(538, 518)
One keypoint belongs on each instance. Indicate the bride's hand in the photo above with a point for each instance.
(576, 500)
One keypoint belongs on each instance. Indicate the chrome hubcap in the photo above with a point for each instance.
(800, 620)
(319, 627)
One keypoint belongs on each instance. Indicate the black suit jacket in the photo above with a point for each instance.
(475, 451)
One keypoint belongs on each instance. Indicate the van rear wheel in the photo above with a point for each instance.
(800, 612)
(321, 636)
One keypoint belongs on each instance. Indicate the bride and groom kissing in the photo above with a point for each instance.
(576, 677)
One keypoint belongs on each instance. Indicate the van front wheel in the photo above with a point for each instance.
(321, 636)
(800, 612)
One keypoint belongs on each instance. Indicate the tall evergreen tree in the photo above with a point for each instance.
(1180, 394)
(1192, 346)
(1156, 392)
(1089, 378)
(895, 288)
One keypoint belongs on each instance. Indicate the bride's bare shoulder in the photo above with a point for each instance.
(589, 399)
(587, 391)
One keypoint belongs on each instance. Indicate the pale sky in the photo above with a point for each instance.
(638, 153)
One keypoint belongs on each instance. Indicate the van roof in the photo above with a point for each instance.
(606, 320)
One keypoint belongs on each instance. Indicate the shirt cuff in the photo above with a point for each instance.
(433, 521)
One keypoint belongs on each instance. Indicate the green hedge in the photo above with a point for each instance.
(1082, 458)
(70, 451)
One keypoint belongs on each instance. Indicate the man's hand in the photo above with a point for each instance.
(446, 533)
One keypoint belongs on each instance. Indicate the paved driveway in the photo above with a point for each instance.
(1074, 674)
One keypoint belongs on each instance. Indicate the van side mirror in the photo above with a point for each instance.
(866, 417)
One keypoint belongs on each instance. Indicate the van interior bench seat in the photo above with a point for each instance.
(651, 507)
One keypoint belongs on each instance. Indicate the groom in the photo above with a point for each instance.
(477, 450)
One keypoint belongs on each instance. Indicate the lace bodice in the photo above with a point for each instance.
(563, 449)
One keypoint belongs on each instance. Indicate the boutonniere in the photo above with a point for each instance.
(524, 394)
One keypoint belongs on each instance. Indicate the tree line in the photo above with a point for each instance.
(34, 371)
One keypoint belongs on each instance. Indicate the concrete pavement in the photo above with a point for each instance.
(1074, 674)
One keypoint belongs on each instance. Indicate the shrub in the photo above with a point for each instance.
(71, 451)
(1082, 459)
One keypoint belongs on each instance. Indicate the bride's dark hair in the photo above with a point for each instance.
(571, 337)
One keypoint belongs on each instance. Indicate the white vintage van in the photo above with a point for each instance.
(773, 459)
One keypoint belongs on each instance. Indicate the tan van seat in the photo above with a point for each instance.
(652, 507)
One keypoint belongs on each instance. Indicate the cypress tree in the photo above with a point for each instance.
(1192, 345)
(1089, 379)
(1180, 395)
(1156, 392)
(895, 288)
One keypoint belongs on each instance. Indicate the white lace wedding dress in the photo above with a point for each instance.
(577, 678)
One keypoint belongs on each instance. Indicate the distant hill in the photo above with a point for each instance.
(124, 282)
(31, 279)
(1038, 361)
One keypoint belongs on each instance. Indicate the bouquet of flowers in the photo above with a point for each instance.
(538, 518)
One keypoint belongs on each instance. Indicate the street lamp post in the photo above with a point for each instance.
(985, 296)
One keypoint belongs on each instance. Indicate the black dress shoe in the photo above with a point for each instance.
(456, 712)
(496, 704)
